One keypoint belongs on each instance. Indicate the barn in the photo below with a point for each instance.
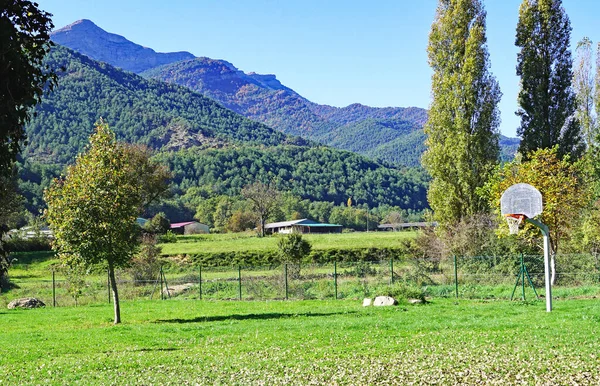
(301, 226)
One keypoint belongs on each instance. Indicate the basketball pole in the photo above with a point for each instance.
(546, 233)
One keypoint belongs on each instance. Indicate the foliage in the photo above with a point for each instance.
(462, 129)
(263, 200)
(584, 89)
(146, 263)
(159, 224)
(168, 237)
(25, 40)
(546, 100)
(293, 248)
(311, 173)
(564, 190)
(76, 284)
(92, 210)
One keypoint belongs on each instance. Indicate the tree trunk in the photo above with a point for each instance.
(113, 286)
(262, 226)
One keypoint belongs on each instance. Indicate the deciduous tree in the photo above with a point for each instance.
(564, 191)
(93, 208)
(546, 99)
(24, 41)
(462, 129)
(263, 200)
(583, 86)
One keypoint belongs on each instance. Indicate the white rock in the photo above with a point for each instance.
(26, 303)
(385, 301)
(367, 302)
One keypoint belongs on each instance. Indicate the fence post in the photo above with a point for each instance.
(455, 276)
(53, 290)
(200, 281)
(285, 274)
(392, 270)
(108, 284)
(335, 284)
(523, 277)
(162, 295)
(240, 281)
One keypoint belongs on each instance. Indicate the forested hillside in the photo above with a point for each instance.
(314, 173)
(151, 112)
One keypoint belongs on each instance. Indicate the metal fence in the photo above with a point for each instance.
(464, 277)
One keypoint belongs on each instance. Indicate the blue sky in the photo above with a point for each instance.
(334, 52)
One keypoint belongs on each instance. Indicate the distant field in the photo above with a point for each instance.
(177, 342)
(233, 242)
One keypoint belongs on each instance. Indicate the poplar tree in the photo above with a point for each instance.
(546, 100)
(462, 129)
(583, 85)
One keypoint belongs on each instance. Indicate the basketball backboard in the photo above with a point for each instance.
(521, 199)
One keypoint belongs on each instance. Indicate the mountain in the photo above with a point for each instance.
(259, 97)
(211, 150)
(160, 115)
(86, 37)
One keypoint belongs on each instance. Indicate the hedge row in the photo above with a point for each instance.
(320, 256)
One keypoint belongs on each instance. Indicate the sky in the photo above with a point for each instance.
(334, 52)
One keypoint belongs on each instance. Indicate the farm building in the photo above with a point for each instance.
(405, 225)
(189, 228)
(301, 226)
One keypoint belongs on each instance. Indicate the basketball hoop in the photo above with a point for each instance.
(513, 221)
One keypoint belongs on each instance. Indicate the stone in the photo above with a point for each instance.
(415, 301)
(367, 302)
(385, 301)
(26, 303)
(178, 289)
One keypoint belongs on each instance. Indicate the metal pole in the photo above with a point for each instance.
(522, 277)
(335, 278)
(546, 233)
(455, 276)
(392, 270)
(200, 281)
(240, 281)
(285, 273)
(53, 290)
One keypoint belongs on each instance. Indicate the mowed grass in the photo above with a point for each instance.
(304, 342)
(234, 242)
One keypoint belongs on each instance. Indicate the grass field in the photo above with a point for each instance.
(233, 242)
(180, 342)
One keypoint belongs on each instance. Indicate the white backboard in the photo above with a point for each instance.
(521, 199)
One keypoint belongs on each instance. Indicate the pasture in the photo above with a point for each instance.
(247, 241)
(177, 342)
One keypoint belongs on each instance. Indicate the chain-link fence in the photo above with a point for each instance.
(464, 277)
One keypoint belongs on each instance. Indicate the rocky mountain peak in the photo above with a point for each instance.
(87, 38)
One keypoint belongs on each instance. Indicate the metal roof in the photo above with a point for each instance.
(303, 222)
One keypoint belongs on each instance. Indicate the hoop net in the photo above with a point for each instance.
(513, 221)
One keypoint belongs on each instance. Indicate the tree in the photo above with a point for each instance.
(159, 224)
(93, 208)
(462, 129)
(24, 41)
(583, 86)
(564, 190)
(546, 99)
(263, 200)
(292, 249)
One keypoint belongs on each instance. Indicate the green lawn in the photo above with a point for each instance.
(179, 342)
(233, 242)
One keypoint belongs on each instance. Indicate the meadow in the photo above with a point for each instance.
(234, 242)
(178, 342)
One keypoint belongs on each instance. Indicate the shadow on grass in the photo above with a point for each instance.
(271, 315)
